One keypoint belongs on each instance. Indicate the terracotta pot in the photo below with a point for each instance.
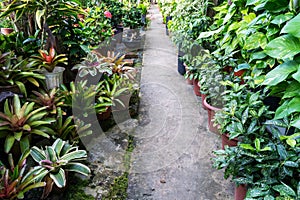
(189, 81)
(211, 111)
(240, 192)
(203, 96)
(196, 87)
(226, 141)
(7, 31)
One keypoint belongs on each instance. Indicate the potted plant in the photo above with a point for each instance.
(6, 26)
(16, 180)
(55, 161)
(20, 122)
(49, 61)
(15, 72)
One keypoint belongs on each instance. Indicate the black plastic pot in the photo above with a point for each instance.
(168, 18)
(181, 67)
(119, 33)
(272, 102)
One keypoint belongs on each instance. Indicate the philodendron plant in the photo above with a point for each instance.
(18, 122)
(55, 160)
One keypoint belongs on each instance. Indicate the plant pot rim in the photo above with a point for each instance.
(56, 70)
(210, 106)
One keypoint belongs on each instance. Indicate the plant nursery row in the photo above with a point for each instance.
(243, 58)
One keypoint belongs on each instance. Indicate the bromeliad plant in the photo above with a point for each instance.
(19, 122)
(15, 180)
(55, 160)
(17, 71)
(48, 60)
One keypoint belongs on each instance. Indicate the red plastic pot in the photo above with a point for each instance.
(226, 141)
(7, 31)
(211, 111)
(240, 192)
(196, 87)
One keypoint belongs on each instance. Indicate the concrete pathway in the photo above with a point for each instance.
(171, 160)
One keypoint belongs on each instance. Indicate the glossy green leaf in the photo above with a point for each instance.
(284, 47)
(284, 190)
(280, 73)
(37, 154)
(292, 90)
(280, 19)
(298, 189)
(257, 144)
(51, 154)
(247, 146)
(282, 152)
(79, 168)
(255, 41)
(292, 27)
(288, 108)
(296, 76)
(59, 178)
(24, 143)
(291, 142)
(291, 164)
(79, 154)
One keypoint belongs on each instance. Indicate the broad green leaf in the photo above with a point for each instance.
(17, 104)
(296, 123)
(21, 87)
(9, 142)
(288, 108)
(41, 133)
(291, 164)
(37, 154)
(79, 154)
(280, 73)
(284, 190)
(292, 27)
(58, 145)
(280, 19)
(296, 76)
(292, 90)
(255, 40)
(291, 142)
(284, 47)
(24, 143)
(79, 168)
(51, 154)
(18, 135)
(59, 178)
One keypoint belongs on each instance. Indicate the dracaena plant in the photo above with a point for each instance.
(55, 160)
(48, 59)
(19, 122)
(16, 180)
